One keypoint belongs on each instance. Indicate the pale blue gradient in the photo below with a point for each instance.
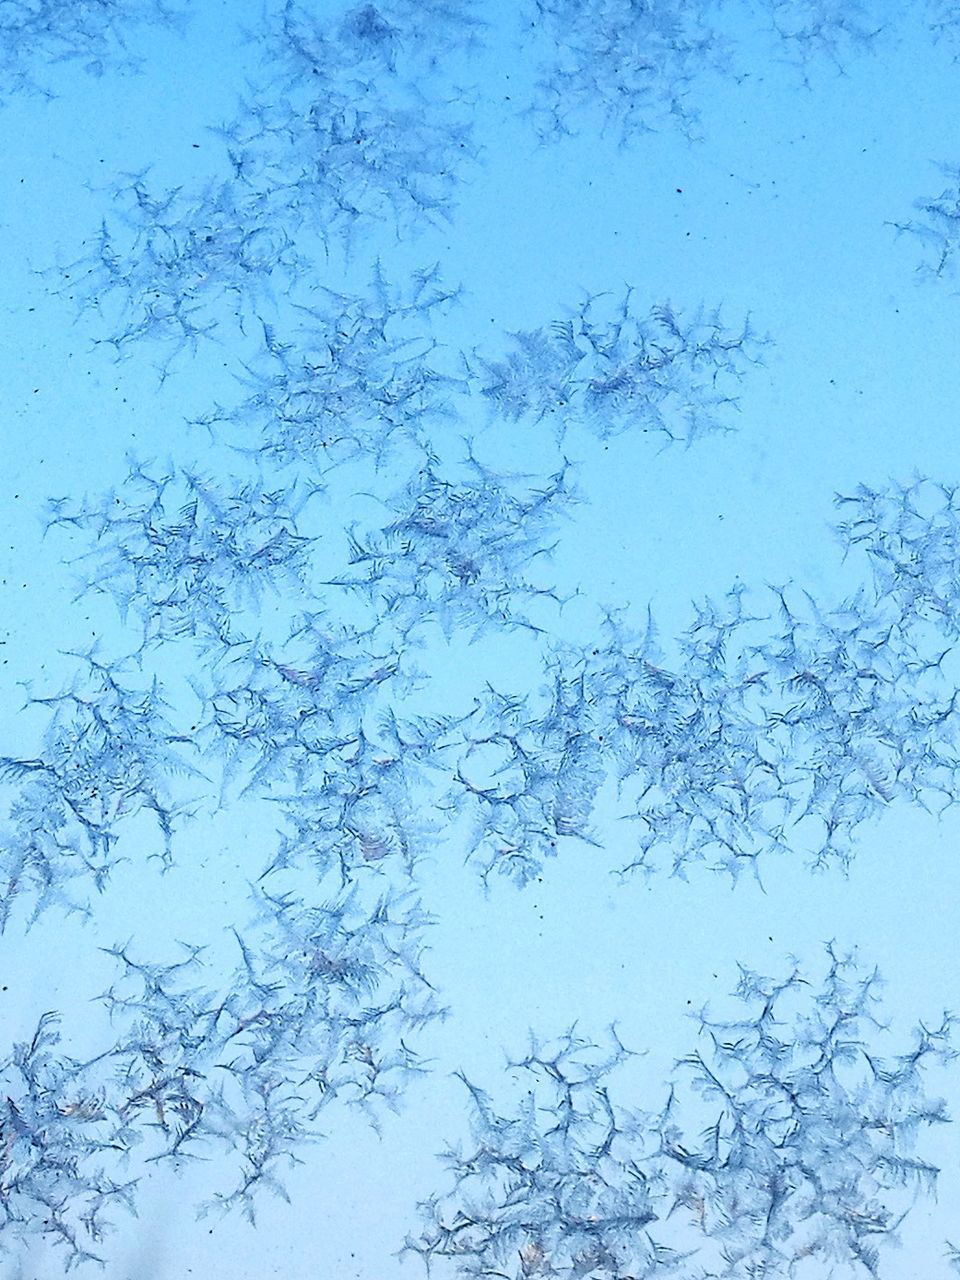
(783, 208)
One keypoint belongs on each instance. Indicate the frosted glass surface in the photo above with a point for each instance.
(480, 689)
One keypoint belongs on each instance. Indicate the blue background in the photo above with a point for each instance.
(781, 204)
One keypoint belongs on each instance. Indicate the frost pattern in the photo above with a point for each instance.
(788, 1138)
